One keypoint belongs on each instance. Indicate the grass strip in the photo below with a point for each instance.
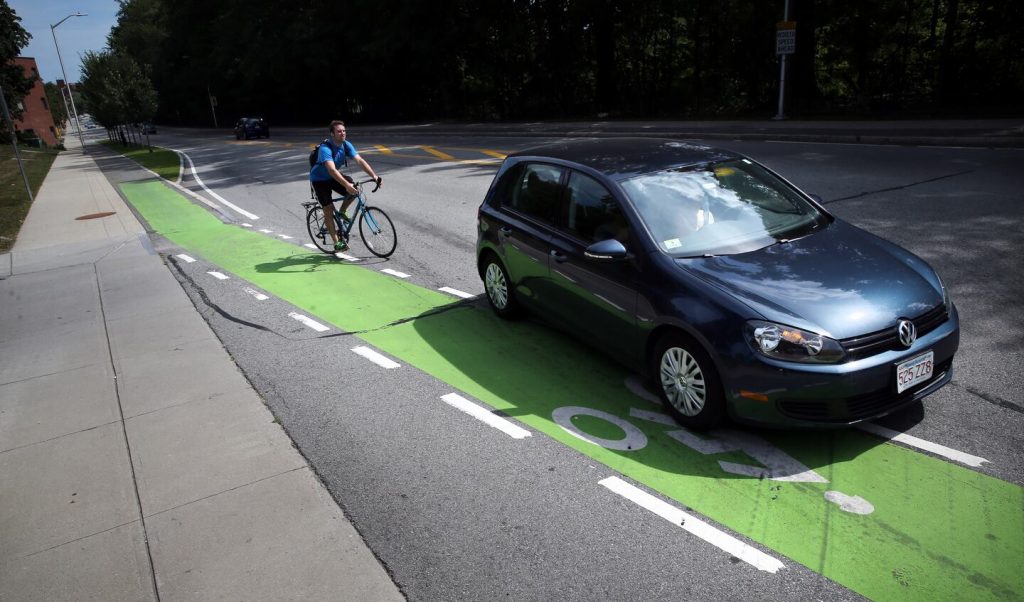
(160, 160)
(14, 200)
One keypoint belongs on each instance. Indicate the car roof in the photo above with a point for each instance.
(622, 158)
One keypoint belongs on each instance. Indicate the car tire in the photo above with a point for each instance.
(687, 382)
(499, 288)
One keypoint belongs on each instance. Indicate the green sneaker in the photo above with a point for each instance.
(340, 246)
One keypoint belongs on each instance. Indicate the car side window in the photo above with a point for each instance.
(537, 192)
(593, 214)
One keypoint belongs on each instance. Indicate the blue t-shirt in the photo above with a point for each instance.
(328, 152)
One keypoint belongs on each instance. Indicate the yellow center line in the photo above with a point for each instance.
(497, 154)
(383, 149)
(439, 154)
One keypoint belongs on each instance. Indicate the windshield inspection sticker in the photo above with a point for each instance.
(672, 243)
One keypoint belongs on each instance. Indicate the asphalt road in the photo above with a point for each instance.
(458, 510)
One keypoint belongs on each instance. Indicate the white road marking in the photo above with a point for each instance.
(376, 358)
(395, 273)
(935, 448)
(218, 275)
(341, 255)
(259, 296)
(854, 504)
(181, 168)
(456, 292)
(245, 225)
(265, 231)
(491, 419)
(185, 258)
(284, 236)
(636, 386)
(195, 174)
(695, 526)
(309, 245)
(317, 326)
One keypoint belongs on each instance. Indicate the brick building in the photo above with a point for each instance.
(36, 118)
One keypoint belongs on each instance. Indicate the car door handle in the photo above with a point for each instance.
(505, 230)
(559, 257)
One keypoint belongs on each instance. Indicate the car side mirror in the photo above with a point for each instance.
(606, 250)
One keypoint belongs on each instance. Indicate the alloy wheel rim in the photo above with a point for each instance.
(497, 288)
(683, 381)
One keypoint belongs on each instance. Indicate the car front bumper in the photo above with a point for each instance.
(791, 395)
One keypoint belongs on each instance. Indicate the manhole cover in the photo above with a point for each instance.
(96, 215)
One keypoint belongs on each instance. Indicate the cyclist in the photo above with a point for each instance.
(325, 177)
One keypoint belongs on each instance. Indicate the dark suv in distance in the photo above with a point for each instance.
(251, 127)
(737, 293)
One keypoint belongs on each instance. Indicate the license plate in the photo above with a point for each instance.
(914, 371)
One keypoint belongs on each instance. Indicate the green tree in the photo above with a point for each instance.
(13, 38)
(116, 89)
(56, 102)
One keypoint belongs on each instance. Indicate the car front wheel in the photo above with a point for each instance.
(499, 288)
(687, 382)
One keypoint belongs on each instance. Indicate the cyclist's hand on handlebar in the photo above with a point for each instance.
(379, 181)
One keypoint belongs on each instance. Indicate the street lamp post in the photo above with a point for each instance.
(67, 112)
(67, 82)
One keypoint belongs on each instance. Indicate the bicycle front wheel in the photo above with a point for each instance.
(377, 232)
(318, 230)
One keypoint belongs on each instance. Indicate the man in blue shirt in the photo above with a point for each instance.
(326, 178)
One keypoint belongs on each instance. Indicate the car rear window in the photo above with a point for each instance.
(720, 209)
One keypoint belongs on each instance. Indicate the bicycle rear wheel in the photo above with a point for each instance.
(318, 230)
(377, 232)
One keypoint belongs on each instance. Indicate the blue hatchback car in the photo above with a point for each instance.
(737, 294)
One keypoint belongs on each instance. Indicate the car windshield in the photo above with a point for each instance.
(720, 209)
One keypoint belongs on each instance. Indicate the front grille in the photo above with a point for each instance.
(884, 340)
(859, 407)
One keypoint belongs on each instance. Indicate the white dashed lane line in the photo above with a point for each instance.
(486, 416)
(265, 231)
(456, 292)
(695, 526)
(284, 236)
(185, 258)
(911, 441)
(218, 275)
(317, 326)
(376, 358)
(346, 257)
(395, 273)
(259, 296)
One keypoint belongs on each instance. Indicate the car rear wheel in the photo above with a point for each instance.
(499, 288)
(687, 382)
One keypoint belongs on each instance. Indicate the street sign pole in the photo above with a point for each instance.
(14, 143)
(785, 44)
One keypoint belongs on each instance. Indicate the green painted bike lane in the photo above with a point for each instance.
(936, 531)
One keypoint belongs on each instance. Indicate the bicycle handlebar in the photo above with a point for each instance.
(368, 180)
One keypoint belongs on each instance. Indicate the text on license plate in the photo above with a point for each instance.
(914, 371)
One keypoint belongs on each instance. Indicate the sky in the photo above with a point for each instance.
(75, 36)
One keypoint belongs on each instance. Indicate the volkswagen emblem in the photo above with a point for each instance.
(907, 332)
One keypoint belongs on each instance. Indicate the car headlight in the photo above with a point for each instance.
(787, 343)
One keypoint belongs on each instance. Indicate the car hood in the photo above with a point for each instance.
(840, 282)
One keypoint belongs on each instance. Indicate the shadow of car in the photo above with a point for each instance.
(739, 294)
(251, 127)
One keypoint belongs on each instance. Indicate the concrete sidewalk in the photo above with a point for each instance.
(136, 461)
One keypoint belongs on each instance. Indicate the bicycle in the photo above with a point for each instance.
(375, 227)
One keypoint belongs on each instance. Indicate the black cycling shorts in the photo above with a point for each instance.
(324, 188)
